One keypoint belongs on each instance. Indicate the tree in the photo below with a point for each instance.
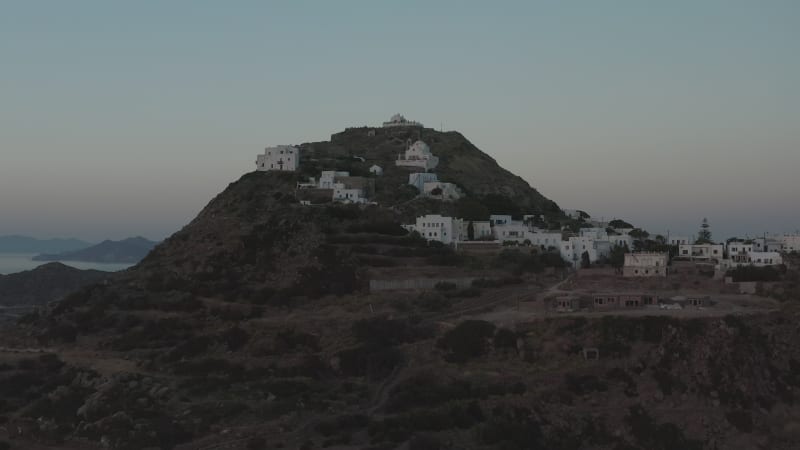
(619, 223)
(471, 231)
(470, 209)
(704, 235)
(585, 262)
(617, 256)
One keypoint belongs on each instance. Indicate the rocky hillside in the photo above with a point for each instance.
(254, 327)
(46, 283)
(460, 162)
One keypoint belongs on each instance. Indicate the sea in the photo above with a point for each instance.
(19, 262)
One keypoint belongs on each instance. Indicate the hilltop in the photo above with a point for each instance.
(460, 162)
(46, 283)
(261, 324)
(130, 250)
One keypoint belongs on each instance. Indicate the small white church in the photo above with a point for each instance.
(282, 158)
(419, 155)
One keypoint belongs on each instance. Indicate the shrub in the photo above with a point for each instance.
(235, 338)
(467, 340)
(446, 286)
(505, 338)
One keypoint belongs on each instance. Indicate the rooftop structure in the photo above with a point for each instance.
(398, 120)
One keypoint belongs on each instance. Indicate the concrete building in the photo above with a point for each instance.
(758, 259)
(281, 158)
(376, 170)
(645, 265)
(442, 191)
(398, 120)
(435, 227)
(418, 179)
(767, 244)
(572, 250)
(621, 240)
(418, 155)
(702, 252)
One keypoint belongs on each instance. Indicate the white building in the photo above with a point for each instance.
(572, 213)
(281, 158)
(758, 259)
(739, 249)
(376, 170)
(791, 242)
(418, 179)
(511, 230)
(435, 227)
(645, 265)
(352, 189)
(545, 240)
(443, 191)
(702, 251)
(572, 250)
(767, 244)
(499, 219)
(328, 178)
(418, 155)
(398, 120)
(678, 241)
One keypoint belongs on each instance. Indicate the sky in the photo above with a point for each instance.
(126, 118)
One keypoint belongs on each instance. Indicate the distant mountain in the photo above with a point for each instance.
(130, 250)
(26, 244)
(46, 283)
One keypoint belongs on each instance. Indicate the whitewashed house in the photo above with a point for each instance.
(328, 178)
(573, 248)
(678, 241)
(545, 240)
(702, 252)
(418, 179)
(767, 244)
(376, 170)
(512, 230)
(435, 227)
(281, 158)
(645, 265)
(443, 191)
(758, 259)
(739, 250)
(352, 189)
(419, 155)
(398, 120)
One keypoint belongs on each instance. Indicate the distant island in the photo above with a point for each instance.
(27, 244)
(131, 250)
(47, 283)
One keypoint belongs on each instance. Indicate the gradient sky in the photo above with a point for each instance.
(126, 118)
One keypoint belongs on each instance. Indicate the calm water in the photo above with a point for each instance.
(18, 262)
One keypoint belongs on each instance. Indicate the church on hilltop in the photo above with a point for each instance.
(419, 155)
(398, 120)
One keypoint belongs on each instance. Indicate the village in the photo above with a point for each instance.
(614, 266)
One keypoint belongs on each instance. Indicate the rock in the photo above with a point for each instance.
(133, 385)
(659, 396)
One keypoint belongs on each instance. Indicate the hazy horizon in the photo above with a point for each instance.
(120, 120)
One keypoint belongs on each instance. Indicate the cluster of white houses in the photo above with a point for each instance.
(596, 242)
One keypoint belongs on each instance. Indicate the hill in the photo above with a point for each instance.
(130, 250)
(46, 283)
(25, 244)
(255, 326)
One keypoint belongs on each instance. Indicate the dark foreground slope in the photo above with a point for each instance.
(46, 283)
(253, 328)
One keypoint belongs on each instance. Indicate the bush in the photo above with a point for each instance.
(467, 340)
(445, 286)
(753, 273)
(505, 338)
